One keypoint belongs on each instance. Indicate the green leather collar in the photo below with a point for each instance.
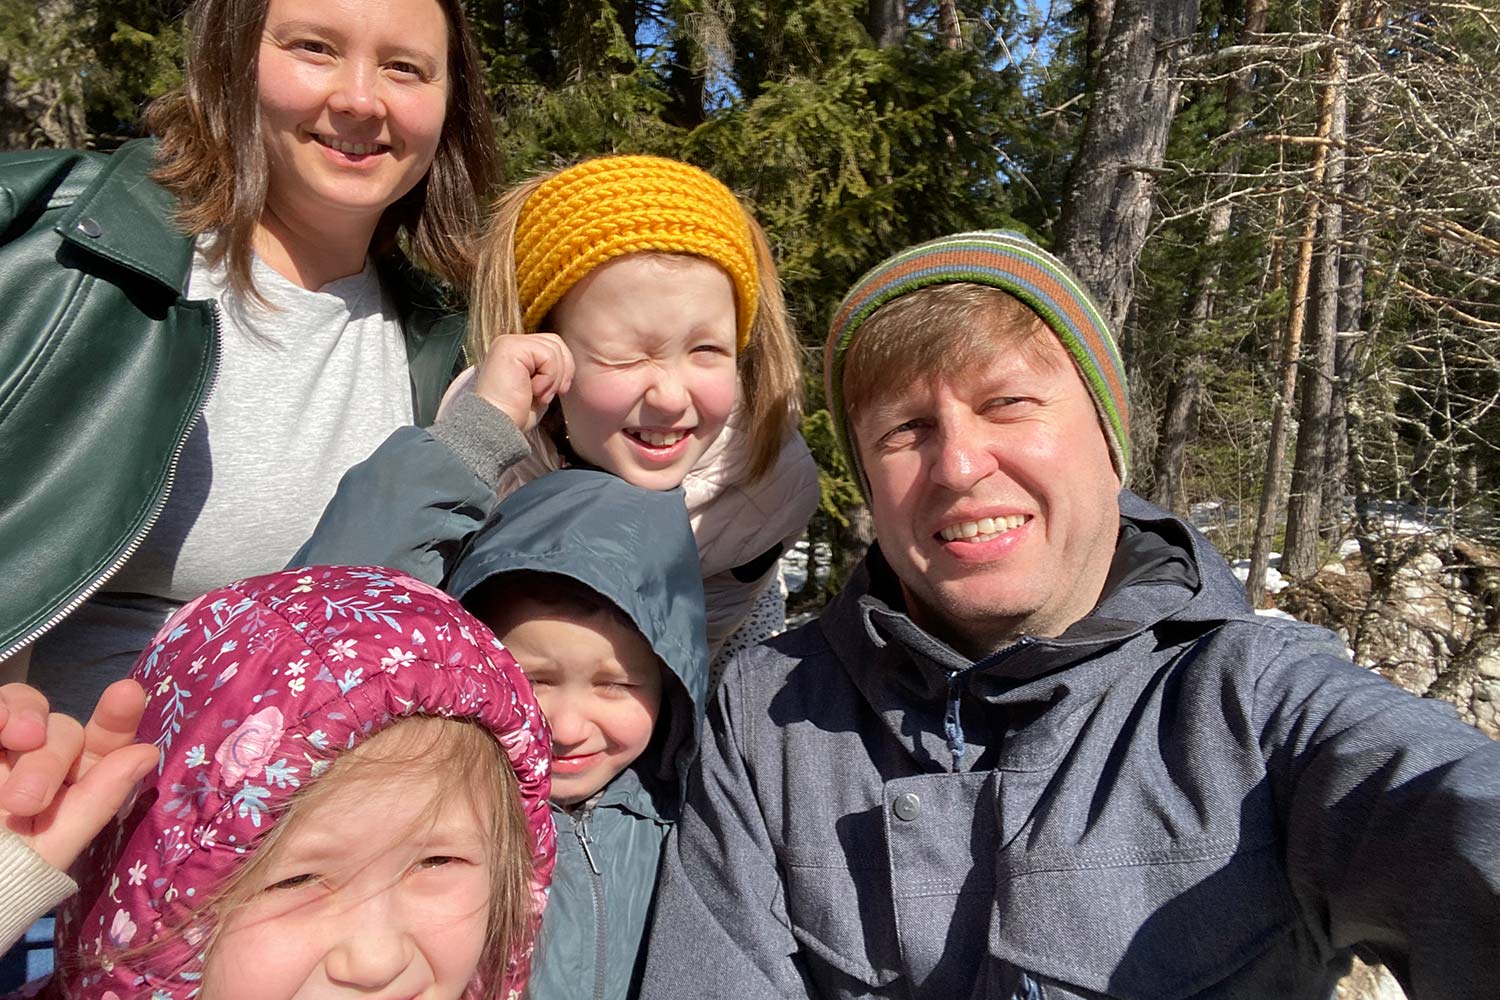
(126, 217)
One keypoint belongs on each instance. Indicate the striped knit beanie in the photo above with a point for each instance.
(608, 207)
(1016, 266)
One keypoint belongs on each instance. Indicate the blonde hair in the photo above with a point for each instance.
(770, 373)
(464, 759)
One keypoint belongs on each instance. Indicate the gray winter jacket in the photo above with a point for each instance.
(1174, 799)
(634, 547)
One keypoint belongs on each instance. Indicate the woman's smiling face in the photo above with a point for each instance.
(653, 342)
(353, 95)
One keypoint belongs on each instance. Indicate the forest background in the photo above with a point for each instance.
(1289, 210)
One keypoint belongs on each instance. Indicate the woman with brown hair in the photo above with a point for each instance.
(204, 330)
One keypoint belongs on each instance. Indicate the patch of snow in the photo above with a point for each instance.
(1275, 582)
(794, 564)
(1274, 613)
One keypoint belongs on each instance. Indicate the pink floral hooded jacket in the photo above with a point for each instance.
(251, 688)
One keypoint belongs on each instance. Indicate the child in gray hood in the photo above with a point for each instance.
(594, 586)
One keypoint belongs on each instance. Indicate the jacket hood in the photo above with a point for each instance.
(630, 545)
(1165, 578)
(251, 688)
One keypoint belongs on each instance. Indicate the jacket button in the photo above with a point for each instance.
(907, 806)
(88, 227)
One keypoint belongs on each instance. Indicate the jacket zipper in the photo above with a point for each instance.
(145, 529)
(596, 883)
(958, 685)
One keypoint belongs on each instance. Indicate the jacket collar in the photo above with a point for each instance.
(126, 217)
(1163, 572)
(628, 793)
(434, 331)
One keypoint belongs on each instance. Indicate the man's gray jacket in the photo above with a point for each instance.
(1175, 798)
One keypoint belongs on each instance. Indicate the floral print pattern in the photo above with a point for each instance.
(251, 689)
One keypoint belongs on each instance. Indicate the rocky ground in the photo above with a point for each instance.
(1428, 619)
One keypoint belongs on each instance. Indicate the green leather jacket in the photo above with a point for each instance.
(105, 366)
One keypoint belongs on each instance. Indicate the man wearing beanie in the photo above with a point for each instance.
(1039, 747)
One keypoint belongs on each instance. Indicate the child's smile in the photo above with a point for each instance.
(653, 340)
(598, 683)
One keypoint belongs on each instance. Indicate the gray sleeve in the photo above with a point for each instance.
(721, 926)
(482, 436)
(1391, 812)
(418, 498)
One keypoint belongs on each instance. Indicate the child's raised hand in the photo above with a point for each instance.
(522, 373)
(61, 782)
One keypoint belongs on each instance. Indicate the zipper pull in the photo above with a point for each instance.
(581, 828)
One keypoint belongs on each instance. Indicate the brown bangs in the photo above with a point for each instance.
(940, 332)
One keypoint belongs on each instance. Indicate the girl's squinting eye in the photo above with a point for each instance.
(295, 882)
(438, 861)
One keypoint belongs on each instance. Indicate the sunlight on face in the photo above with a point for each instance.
(994, 498)
(353, 96)
(653, 339)
(380, 889)
(600, 686)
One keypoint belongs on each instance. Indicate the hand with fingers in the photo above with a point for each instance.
(522, 373)
(61, 782)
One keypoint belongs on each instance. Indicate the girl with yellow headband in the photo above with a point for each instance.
(626, 316)
(668, 357)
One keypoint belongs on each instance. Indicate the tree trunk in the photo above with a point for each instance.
(1108, 200)
(886, 22)
(1305, 501)
(539, 21)
(949, 25)
(1336, 464)
(1310, 467)
(39, 106)
(687, 72)
(1270, 498)
(1169, 490)
(1101, 14)
(1182, 399)
(1351, 312)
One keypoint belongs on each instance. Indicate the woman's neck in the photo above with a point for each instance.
(312, 256)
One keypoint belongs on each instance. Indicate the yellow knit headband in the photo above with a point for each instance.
(618, 205)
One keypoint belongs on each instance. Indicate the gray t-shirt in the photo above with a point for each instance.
(306, 388)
